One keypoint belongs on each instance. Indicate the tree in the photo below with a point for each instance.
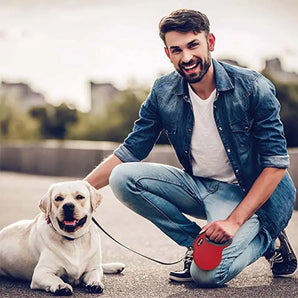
(288, 96)
(15, 123)
(115, 125)
(54, 121)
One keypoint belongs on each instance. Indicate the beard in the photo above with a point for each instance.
(198, 75)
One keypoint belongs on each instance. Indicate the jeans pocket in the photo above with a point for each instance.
(210, 186)
(213, 186)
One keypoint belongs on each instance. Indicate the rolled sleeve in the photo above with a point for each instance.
(124, 154)
(277, 161)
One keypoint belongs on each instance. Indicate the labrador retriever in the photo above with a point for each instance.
(60, 248)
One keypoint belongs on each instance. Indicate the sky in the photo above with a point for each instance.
(58, 46)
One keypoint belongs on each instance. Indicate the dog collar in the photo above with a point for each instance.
(49, 222)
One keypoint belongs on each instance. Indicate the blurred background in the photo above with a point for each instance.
(80, 69)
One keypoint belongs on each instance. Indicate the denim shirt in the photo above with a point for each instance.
(246, 113)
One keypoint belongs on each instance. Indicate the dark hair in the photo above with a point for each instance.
(184, 20)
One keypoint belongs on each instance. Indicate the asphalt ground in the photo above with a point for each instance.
(19, 196)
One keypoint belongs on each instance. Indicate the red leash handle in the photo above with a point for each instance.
(207, 254)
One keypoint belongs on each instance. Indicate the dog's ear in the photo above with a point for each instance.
(95, 195)
(45, 203)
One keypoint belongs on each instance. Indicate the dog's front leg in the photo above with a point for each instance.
(93, 280)
(46, 277)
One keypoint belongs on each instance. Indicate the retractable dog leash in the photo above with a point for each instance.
(207, 254)
(144, 256)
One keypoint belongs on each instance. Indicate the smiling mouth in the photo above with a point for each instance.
(71, 225)
(189, 67)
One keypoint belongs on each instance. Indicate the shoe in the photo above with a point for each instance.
(183, 275)
(283, 261)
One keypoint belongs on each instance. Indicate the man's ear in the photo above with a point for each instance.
(211, 42)
(95, 195)
(167, 53)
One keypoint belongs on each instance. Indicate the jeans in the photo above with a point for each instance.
(163, 194)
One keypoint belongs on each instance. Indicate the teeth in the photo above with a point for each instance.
(190, 67)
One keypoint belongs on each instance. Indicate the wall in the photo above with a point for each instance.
(78, 158)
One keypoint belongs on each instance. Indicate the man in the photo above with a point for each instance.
(224, 125)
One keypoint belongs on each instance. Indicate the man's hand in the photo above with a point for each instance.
(99, 177)
(221, 230)
(262, 189)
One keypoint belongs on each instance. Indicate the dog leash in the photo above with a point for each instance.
(144, 256)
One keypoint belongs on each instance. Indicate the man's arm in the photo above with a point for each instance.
(259, 193)
(267, 131)
(99, 177)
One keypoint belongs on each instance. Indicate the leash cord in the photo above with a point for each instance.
(149, 258)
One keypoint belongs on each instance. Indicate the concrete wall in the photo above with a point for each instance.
(68, 158)
(78, 158)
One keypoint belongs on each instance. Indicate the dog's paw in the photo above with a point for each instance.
(121, 268)
(95, 287)
(113, 268)
(63, 290)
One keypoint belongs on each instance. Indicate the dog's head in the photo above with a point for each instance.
(69, 207)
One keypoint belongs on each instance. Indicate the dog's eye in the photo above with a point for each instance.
(59, 198)
(80, 197)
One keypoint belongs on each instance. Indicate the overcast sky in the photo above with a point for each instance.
(57, 46)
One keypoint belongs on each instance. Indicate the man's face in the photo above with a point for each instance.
(190, 53)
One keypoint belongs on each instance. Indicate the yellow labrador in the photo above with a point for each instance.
(61, 246)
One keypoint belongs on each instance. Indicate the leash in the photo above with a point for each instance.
(149, 258)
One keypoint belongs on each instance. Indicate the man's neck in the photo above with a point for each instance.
(205, 87)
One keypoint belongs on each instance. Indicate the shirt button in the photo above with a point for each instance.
(243, 189)
(229, 150)
(237, 171)
(186, 151)
(220, 128)
(189, 130)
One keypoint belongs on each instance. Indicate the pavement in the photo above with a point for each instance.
(19, 196)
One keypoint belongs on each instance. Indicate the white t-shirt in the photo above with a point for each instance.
(209, 156)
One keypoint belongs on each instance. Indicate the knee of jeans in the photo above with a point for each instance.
(208, 279)
(120, 180)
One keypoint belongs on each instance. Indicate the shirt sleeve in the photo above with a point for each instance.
(145, 133)
(267, 127)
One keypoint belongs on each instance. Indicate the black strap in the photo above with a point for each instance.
(154, 260)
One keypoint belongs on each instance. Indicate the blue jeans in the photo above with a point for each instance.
(163, 194)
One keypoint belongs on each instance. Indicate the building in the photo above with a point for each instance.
(274, 68)
(21, 95)
(232, 62)
(102, 94)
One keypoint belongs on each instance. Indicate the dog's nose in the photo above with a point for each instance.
(68, 208)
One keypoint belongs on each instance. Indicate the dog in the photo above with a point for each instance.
(61, 247)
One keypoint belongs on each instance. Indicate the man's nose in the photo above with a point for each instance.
(186, 56)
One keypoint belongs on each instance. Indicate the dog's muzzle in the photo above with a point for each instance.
(70, 223)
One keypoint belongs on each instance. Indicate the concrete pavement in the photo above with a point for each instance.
(19, 196)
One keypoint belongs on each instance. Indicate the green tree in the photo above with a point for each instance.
(115, 125)
(54, 121)
(287, 94)
(15, 123)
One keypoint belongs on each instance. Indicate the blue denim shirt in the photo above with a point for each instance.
(246, 112)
